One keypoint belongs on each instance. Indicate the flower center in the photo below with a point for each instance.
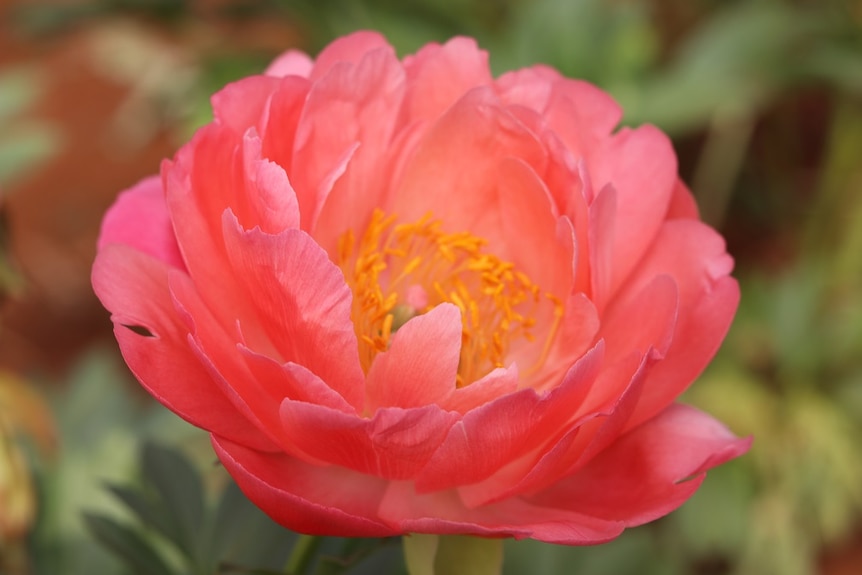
(398, 271)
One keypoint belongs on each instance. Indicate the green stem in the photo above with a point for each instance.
(302, 554)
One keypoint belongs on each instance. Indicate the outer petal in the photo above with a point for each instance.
(351, 49)
(494, 434)
(348, 114)
(443, 512)
(394, 444)
(302, 302)
(320, 500)
(682, 204)
(291, 63)
(245, 103)
(641, 166)
(139, 219)
(580, 113)
(650, 471)
(437, 76)
(694, 256)
(134, 287)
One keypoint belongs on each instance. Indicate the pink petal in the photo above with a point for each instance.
(694, 256)
(650, 471)
(421, 365)
(437, 76)
(394, 444)
(576, 334)
(497, 383)
(444, 513)
(350, 49)
(347, 115)
(244, 104)
(139, 219)
(291, 63)
(641, 166)
(291, 381)
(581, 114)
(455, 175)
(256, 384)
(301, 301)
(285, 109)
(200, 184)
(502, 430)
(318, 500)
(602, 231)
(134, 287)
(642, 320)
(269, 198)
(598, 425)
(682, 204)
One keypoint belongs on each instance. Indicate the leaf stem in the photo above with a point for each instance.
(302, 554)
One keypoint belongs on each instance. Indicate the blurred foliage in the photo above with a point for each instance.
(23, 142)
(174, 530)
(764, 100)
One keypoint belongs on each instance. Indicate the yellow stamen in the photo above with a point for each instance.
(392, 262)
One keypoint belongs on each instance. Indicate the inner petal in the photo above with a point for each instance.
(397, 271)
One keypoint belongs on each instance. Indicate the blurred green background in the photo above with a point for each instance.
(764, 102)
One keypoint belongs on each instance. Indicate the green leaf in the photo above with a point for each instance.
(151, 513)
(240, 533)
(128, 544)
(180, 487)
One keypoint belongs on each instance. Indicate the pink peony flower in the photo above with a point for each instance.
(404, 296)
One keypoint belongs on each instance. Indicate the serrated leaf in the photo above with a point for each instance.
(180, 487)
(137, 552)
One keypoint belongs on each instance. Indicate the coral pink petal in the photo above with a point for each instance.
(602, 230)
(682, 204)
(597, 428)
(641, 166)
(497, 432)
(444, 513)
(199, 189)
(420, 366)
(581, 114)
(694, 256)
(270, 201)
(650, 471)
(291, 63)
(536, 245)
(285, 110)
(134, 287)
(306, 498)
(139, 219)
(653, 310)
(301, 300)
(245, 103)
(497, 383)
(217, 352)
(354, 105)
(291, 381)
(437, 76)
(351, 49)
(393, 444)
(455, 172)
(576, 334)
(347, 116)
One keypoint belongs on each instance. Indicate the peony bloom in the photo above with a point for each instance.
(404, 296)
